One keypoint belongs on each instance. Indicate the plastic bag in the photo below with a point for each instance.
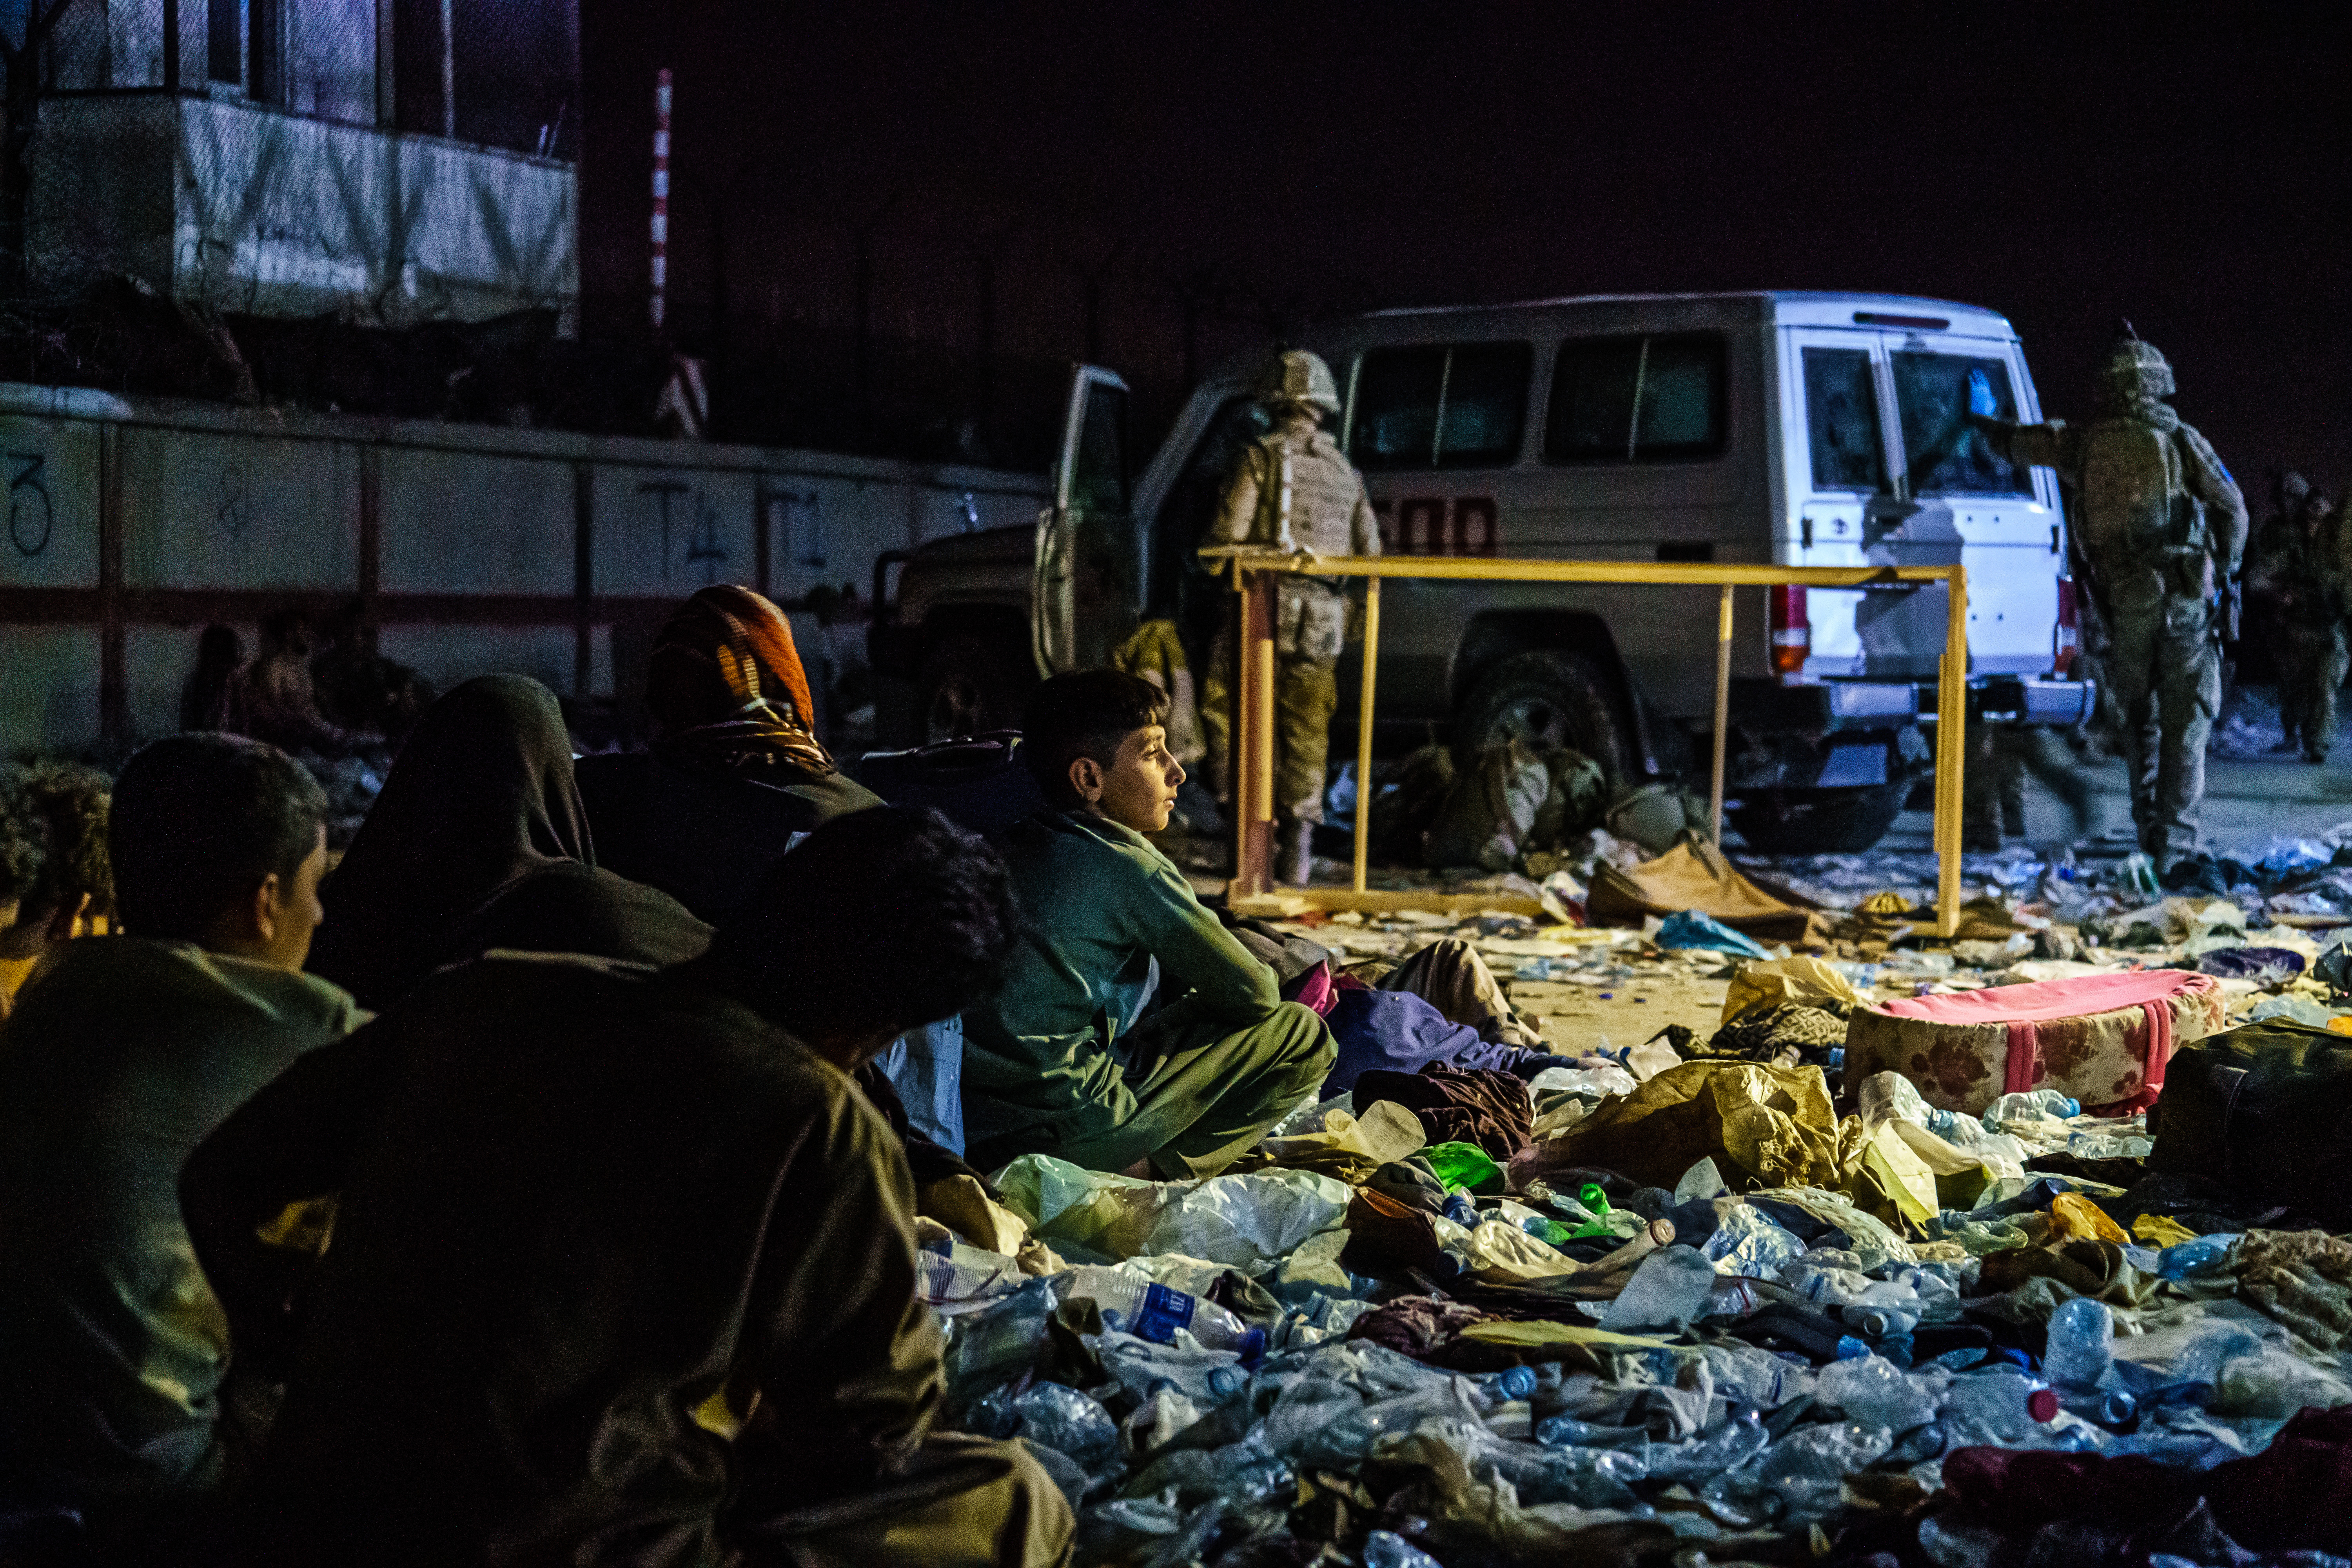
(1774, 1124)
(1689, 928)
(1804, 982)
(926, 1068)
(1250, 1221)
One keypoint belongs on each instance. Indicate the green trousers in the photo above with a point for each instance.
(2165, 673)
(1196, 1094)
(2312, 665)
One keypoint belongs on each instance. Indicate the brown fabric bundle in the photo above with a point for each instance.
(1458, 1105)
(1693, 875)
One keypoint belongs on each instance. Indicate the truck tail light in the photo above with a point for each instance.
(2066, 640)
(1792, 633)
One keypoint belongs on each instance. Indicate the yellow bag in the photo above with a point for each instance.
(1803, 982)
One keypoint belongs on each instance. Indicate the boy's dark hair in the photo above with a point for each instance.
(882, 921)
(1084, 714)
(198, 821)
(62, 808)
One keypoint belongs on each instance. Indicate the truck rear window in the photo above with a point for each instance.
(1462, 406)
(1944, 455)
(1636, 400)
(1842, 421)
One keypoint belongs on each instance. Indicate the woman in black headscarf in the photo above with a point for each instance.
(478, 841)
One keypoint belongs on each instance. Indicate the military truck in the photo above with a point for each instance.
(1797, 428)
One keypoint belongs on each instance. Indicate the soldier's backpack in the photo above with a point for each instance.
(2265, 1108)
(2132, 470)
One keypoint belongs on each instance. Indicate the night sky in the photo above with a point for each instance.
(2063, 164)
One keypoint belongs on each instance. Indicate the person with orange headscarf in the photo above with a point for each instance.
(735, 770)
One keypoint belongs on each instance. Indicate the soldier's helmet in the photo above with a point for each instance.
(1298, 376)
(2135, 369)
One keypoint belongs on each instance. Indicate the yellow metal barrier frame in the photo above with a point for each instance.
(1254, 570)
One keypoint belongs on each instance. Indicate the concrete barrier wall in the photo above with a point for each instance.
(131, 524)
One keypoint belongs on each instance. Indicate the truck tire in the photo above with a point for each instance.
(1546, 700)
(969, 686)
(1820, 821)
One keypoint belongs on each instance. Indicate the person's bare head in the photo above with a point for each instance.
(220, 841)
(881, 921)
(55, 883)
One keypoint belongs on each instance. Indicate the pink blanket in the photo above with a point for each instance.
(2021, 1007)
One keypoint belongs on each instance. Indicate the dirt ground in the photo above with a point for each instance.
(1574, 1018)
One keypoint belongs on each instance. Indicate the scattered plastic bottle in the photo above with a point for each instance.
(2109, 1408)
(2004, 1406)
(2188, 1258)
(2138, 876)
(2082, 1348)
(1878, 1322)
(1876, 1392)
(1534, 968)
(1061, 1417)
(1961, 1359)
(1133, 1305)
(2031, 1104)
(1517, 1383)
(1461, 1211)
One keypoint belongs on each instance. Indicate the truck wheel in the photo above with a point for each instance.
(969, 687)
(1820, 821)
(1545, 699)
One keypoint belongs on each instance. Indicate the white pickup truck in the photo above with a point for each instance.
(1799, 429)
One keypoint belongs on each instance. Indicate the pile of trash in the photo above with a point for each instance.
(1698, 1300)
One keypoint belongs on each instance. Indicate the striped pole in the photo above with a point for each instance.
(661, 197)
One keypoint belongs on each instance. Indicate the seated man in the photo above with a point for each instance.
(1057, 1063)
(54, 882)
(124, 1052)
(624, 1266)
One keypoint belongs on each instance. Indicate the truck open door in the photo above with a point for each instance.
(1082, 595)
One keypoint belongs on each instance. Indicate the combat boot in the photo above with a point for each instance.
(1295, 853)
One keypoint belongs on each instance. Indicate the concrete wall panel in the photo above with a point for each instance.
(464, 522)
(48, 688)
(48, 534)
(207, 510)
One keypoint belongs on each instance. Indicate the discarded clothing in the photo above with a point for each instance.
(1488, 1109)
(1450, 975)
(1693, 875)
(1396, 1031)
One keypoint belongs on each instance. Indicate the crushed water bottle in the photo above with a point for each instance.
(1386, 1549)
(1131, 1304)
(2082, 1349)
(1872, 1391)
(1064, 1419)
(2188, 1258)
(2030, 1105)
(2004, 1407)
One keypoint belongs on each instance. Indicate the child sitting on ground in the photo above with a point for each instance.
(1059, 1062)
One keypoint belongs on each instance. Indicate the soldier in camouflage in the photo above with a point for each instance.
(1293, 490)
(2293, 561)
(2162, 529)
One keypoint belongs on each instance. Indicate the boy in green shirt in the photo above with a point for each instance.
(1057, 1063)
(123, 1053)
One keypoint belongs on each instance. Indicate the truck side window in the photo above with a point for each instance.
(1636, 400)
(1463, 406)
(1943, 454)
(1842, 420)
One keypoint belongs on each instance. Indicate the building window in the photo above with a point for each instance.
(1636, 400)
(1440, 407)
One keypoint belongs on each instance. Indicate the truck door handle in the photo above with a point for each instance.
(2053, 539)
